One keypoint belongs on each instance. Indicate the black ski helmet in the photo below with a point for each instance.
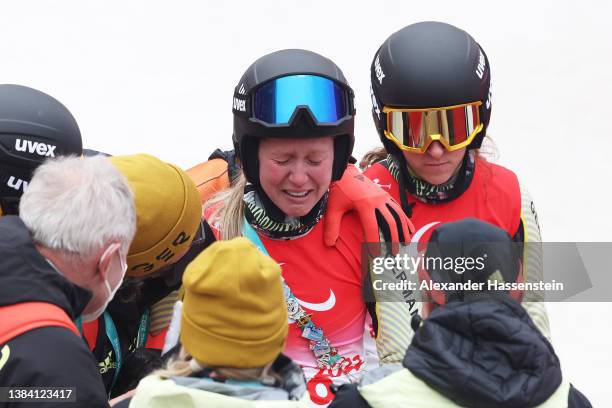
(33, 127)
(494, 256)
(248, 130)
(429, 65)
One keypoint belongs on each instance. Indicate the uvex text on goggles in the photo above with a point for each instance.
(413, 130)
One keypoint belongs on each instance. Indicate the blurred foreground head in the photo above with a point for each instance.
(470, 251)
(234, 312)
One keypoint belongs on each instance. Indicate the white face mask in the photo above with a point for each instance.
(111, 291)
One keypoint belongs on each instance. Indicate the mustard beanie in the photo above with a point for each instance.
(168, 212)
(234, 312)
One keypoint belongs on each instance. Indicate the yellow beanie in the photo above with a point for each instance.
(168, 212)
(234, 312)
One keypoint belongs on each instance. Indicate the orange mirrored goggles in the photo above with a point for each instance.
(413, 130)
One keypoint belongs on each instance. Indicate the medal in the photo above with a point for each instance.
(312, 332)
(323, 362)
(302, 321)
(293, 307)
(320, 348)
(325, 355)
(334, 359)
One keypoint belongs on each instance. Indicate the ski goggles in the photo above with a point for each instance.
(413, 130)
(275, 102)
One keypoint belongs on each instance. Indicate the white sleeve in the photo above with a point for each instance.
(533, 301)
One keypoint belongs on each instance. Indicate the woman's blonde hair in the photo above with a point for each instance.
(373, 156)
(228, 209)
(183, 365)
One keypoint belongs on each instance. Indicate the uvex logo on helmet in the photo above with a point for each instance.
(39, 148)
(239, 104)
(482, 64)
(378, 69)
(17, 184)
(374, 103)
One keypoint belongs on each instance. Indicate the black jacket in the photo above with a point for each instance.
(482, 352)
(48, 356)
(126, 310)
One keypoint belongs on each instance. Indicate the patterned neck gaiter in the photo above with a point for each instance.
(429, 193)
(265, 217)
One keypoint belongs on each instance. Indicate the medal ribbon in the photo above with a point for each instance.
(325, 355)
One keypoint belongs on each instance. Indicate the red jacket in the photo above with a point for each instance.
(494, 196)
(328, 282)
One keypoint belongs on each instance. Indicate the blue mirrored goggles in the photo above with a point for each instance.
(275, 102)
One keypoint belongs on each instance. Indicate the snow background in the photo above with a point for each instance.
(158, 77)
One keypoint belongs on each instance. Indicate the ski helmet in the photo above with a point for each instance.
(33, 127)
(431, 65)
(292, 94)
(471, 250)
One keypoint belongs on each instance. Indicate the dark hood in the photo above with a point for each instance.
(26, 276)
(484, 352)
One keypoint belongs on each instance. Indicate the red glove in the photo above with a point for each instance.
(376, 209)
